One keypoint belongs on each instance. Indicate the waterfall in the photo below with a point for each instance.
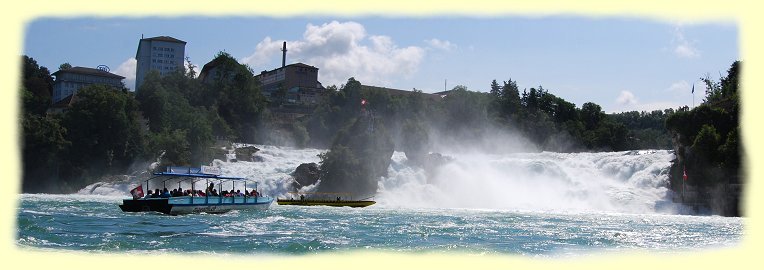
(623, 182)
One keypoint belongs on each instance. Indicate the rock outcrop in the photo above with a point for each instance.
(306, 174)
(359, 156)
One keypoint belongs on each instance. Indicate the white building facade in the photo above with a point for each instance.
(68, 81)
(163, 54)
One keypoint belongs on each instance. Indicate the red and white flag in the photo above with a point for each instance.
(684, 173)
(137, 192)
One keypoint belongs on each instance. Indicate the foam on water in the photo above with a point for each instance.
(627, 182)
(621, 182)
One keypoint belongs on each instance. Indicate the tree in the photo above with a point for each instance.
(190, 69)
(37, 87)
(237, 97)
(64, 66)
(43, 142)
(104, 131)
(591, 115)
(416, 141)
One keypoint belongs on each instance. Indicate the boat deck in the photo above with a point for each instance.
(187, 204)
(340, 203)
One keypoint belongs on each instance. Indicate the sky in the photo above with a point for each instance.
(619, 63)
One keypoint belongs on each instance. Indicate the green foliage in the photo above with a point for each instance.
(729, 152)
(416, 141)
(727, 87)
(103, 128)
(358, 157)
(340, 108)
(591, 115)
(37, 87)
(707, 143)
(236, 95)
(165, 103)
(647, 129)
(300, 134)
(464, 110)
(174, 145)
(43, 141)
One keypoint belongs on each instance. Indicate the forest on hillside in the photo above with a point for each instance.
(177, 116)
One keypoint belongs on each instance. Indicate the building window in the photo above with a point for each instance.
(153, 60)
(155, 48)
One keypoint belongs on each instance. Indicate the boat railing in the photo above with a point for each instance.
(329, 196)
(208, 174)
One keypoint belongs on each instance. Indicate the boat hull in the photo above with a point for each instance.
(190, 205)
(325, 203)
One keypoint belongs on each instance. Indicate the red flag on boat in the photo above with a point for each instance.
(684, 175)
(137, 192)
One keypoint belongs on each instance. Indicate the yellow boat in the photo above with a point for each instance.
(338, 202)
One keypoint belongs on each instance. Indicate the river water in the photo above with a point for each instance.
(539, 204)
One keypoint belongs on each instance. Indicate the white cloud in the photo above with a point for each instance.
(682, 47)
(440, 44)
(627, 101)
(340, 51)
(127, 70)
(626, 98)
(680, 87)
(685, 88)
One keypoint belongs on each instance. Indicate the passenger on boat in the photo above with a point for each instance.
(210, 189)
(215, 192)
(156, 194)
(148, 195)
(238, 193)
(165, 193)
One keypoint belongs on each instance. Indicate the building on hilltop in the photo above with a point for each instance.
(68, 81)
(210, 70)
(292, 84)
(163, 54)
(62, 105)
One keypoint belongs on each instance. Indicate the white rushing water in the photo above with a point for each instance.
(623, 182)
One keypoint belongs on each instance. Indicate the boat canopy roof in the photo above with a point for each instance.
(200, 172)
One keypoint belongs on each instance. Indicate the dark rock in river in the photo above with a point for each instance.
(431, 162)
(246, 152)
(306, 174)
(218, 153)
(358, 158)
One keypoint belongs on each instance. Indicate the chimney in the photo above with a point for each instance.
(283, 57)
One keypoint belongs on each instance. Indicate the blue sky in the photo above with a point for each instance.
(619, 63)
